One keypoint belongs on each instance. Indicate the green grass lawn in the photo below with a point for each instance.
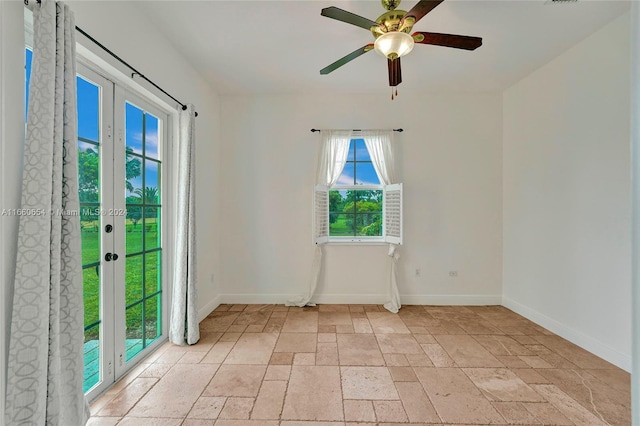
(142, 270)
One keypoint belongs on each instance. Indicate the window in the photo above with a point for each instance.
(358, 208)
(355, 201)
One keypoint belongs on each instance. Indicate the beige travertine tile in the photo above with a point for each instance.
(334, 318)
(327, 354)
(438, 356)
(301, 322)
(304, 359)
(533, 357)
(296, 342)
(612, 405)
(197, 422)
(230, 337)
(529, 375)
(252, 348)
(386, 322)
(502, 385)
(419, 360)
(269, 402)
(396, 360)
(425, 338)
(313, 394)
(281, 358)
(326, 337)
(207, 407)
(390, 411)
(278, 372)
(568, 406)
(547, 414)
(192, 357)
(502, 345)
(449, 389)
(512, 361)
(416, 403)
(236, 380)
(175, 393)
(237, 408)
(359, 411)
(535, 361)
(466, 352)
(345, 329)
(372, 383)
(402, 374)
(127, 398)
(573, 353)
(361, 325)
(515, 413)
(218, 353)
(149, 421)
(359, 349)
(398, 344)
(236, 328)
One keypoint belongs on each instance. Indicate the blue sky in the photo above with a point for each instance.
(365, 173)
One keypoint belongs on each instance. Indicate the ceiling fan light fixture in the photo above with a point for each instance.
(394, 44)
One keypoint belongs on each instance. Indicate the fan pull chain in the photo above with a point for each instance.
(396, 90)
(392, 93)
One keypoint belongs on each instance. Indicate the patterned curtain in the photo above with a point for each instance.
(45, 365)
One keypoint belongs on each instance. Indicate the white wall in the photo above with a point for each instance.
(122, 27)
(449, 158)
(566, 198)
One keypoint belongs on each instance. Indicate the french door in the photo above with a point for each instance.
(121, 142)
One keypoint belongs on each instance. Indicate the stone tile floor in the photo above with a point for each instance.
(359, 364)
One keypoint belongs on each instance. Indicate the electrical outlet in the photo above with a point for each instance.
(418, 272)
(453, 273)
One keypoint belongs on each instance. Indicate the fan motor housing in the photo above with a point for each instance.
(390, 21)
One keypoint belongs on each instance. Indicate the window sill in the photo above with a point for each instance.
(357, 242)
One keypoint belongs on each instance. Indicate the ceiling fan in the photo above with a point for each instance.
(392, 35)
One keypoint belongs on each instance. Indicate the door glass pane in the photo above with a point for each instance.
(134, 132)
(133, 279)
(143, 274)
(134, 226)
(134, 342)
(89, 158)
(89, 114)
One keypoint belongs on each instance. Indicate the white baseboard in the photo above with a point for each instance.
(586, 342)
(208, 308)
(366, 299)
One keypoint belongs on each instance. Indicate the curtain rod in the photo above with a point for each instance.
(125, 63)
(400, 130)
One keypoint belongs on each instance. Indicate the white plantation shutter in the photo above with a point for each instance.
(321, 214)
(392, 208)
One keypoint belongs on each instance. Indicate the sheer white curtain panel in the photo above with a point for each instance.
(45, 362)
(184, 329)
(333, 156)
(380, 146)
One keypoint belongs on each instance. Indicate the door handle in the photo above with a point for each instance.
(110, 256)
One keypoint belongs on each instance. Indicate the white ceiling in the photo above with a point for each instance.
(247, 47)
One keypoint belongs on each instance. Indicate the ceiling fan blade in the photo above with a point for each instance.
(421, 8)
(348, 17)
(448, 40)
(350, 57)
(395, 73)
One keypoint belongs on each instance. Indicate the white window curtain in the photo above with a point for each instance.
(184, 328)
(333, 156)
(380, 146)
(45, 365)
